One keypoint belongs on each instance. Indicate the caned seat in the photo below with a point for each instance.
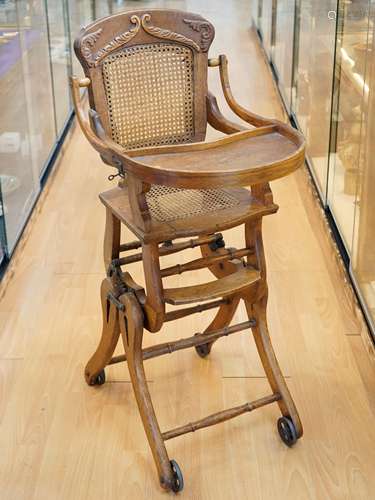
(149, 107)
(167, 204)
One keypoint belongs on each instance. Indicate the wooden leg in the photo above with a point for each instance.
(110, 330)
(112, 236)
(222, 319)
(270, 363)
(131, 327)
(226, 312)
(109, 338)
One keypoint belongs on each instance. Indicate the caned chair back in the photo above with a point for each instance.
(148, 72)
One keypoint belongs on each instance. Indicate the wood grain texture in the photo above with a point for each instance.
(223, 287)
(64, 442)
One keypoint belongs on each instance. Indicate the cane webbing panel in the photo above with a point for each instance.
(168, 204)
(149, 91)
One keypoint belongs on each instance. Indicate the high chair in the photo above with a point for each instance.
(146, 75)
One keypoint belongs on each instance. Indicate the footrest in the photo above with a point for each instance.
(222, 287)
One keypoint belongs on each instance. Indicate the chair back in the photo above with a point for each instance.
(148, 72)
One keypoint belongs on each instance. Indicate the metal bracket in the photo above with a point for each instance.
(120, 306)
(120, 169)
(218, 243)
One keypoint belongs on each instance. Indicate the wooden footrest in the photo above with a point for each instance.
(221, 416)
(222, 287)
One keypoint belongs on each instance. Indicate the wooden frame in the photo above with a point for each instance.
(128, 308)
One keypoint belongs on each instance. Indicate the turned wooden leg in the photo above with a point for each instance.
(222, 319)
(131, 327)
(270, 363)
(109, 338)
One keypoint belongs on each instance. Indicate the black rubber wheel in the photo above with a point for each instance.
(287, 431)
(99, 379)
(203, 350)
(178, 480)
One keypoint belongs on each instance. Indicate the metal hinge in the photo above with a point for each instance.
(120, 169)
(120, 306)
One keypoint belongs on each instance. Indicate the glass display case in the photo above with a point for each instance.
(59, 43)
(255, 13)
(313, 78)
(351, 103)
(283, 51)
(352, 168)
(18, 184)
(35, 62)
(265, 25)
(323, 56)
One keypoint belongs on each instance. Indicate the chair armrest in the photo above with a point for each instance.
(217, 120)
(99, 143)
(246, 115)
(111, 152)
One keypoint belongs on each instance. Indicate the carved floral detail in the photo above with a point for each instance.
(204, 28)
(164, 33)
(93, 59)
(88, 42)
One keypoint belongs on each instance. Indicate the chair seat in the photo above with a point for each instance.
(167, 204)
(177, 213)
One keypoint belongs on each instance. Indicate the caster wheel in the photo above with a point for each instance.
(99, 379)
(178, 480)
(203, 350)
(287, 431)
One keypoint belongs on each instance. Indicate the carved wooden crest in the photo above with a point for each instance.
(164, 33)
(205, 29)
(88, 42)
(93, 58)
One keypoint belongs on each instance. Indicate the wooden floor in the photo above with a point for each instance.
(60, 439)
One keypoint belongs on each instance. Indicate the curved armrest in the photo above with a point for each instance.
(99, 143)
(217, 120)
(246, 115)
(114, 154)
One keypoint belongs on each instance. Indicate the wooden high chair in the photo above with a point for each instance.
(146, 75)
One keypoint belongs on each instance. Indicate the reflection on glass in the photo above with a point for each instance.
(313, 81)
(60, 59)
(352, 99)
(255, 11)
(80, 14)
(363, 261)
(283, 49)
(266, 25)
(17, 179)
(32, 25)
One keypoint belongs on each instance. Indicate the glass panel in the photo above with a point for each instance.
(17, 180)
(351, 98)
(60, 59)
(255, 12)
(266, 25)
(80, 14)
(284, 46)
(363, 261)
(313, 80)
(37, 76)
(3, 242)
